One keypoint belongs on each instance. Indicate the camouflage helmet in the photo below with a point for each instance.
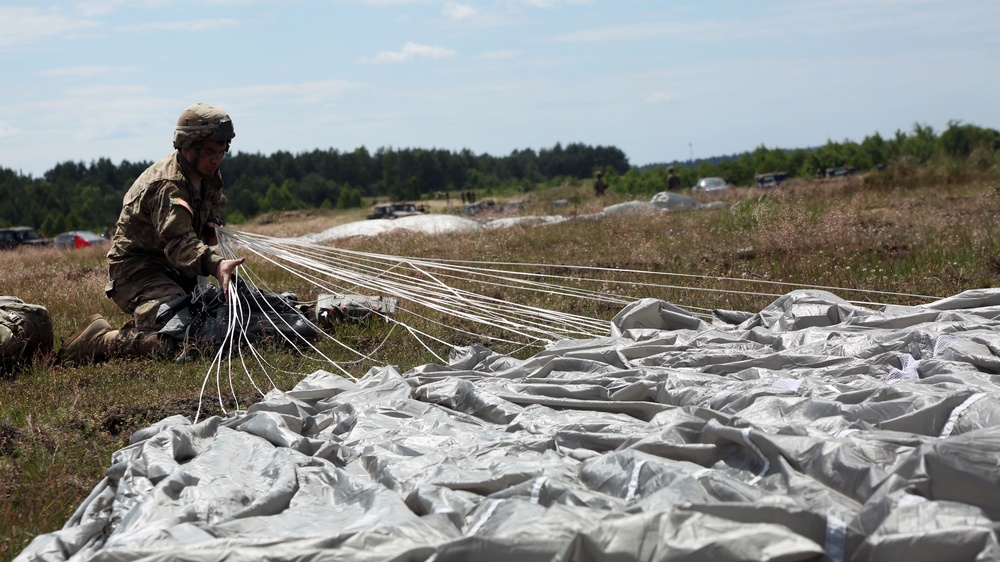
(202, 122)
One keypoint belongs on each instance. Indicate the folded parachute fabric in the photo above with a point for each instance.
(812, 430)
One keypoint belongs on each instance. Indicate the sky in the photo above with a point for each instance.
(662, 80)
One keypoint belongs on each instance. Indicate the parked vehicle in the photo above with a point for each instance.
(837, 172)
(21, 236)
(79, 239)
(772, 179)
(396, 210)
(480, 207)
(707, 185)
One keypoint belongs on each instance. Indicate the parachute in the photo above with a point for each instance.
(814, 429)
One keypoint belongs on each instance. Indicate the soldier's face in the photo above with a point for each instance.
(211, 156)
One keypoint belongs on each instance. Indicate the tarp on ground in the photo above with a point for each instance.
(812, 430)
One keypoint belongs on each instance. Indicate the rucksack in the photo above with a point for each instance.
(201, 319)
(25, 330)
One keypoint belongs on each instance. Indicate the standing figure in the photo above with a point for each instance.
(163, 241)
(599, 185)
(673, 182)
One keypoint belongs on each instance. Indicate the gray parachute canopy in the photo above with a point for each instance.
(812, 430)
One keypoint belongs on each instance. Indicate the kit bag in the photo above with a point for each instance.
(202, 319)
(25, 331)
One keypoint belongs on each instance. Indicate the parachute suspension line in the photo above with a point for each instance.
(325, 257)
(441, 287)
(466, 267)
(386, 280)
(371, 355)
(705, 277)
(553, 316)
(421, 341)
(314, 281)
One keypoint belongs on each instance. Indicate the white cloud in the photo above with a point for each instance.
(100, 7)
(24, 25)
(245, 2)
(81, 71)
(393, 2)
(459, 12)
(703, 29)
(795, 18)
(189, 25)
(303, 93)
(97, 7)
(500, 55)
(107, 90)
(544, 3)
(413, 51)
(6, 130)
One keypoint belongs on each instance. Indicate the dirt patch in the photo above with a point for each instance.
(124, 420)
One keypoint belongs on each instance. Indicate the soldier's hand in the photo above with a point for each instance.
(225, 273)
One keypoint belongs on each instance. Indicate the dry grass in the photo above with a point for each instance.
(931, 236)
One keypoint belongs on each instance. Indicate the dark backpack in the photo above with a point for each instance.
(201, 319)
(25, 330)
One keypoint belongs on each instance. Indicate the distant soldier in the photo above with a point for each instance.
(163, 241)
(673, 182)
(599, 184)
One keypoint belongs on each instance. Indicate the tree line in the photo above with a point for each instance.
(921, 146)
(75, 195)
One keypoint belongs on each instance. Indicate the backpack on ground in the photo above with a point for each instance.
(25, 331)
(202, 319)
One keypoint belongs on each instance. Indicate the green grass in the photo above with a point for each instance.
(926, 233)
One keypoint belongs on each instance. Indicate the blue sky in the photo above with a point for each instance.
(661, 80)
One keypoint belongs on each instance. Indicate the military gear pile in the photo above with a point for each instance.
(25, 330)
(201, 319)
(201, 122)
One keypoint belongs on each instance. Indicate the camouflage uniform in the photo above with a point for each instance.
(25, 330)
(157, 251)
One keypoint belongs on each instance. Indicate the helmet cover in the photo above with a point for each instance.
(201, 122)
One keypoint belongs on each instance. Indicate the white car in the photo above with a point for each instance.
(706, 185)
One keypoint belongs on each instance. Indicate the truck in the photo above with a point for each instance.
(14, 236)
(396, 210)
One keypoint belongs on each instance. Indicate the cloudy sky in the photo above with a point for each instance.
(662, 80)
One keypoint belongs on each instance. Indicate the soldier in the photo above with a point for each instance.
(599, 186)
(673, 182)
(163, 240)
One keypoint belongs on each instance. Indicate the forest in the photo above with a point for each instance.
(78, 195)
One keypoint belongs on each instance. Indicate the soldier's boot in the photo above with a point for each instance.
(93, 341)
(132, 343)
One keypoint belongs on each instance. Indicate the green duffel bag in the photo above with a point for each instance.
(25, 330)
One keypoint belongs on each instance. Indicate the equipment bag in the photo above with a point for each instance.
(203, 318)
(25, 330)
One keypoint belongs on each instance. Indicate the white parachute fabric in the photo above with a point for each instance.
(812, 430)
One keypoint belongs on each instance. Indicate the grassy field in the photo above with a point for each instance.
(923, 232)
